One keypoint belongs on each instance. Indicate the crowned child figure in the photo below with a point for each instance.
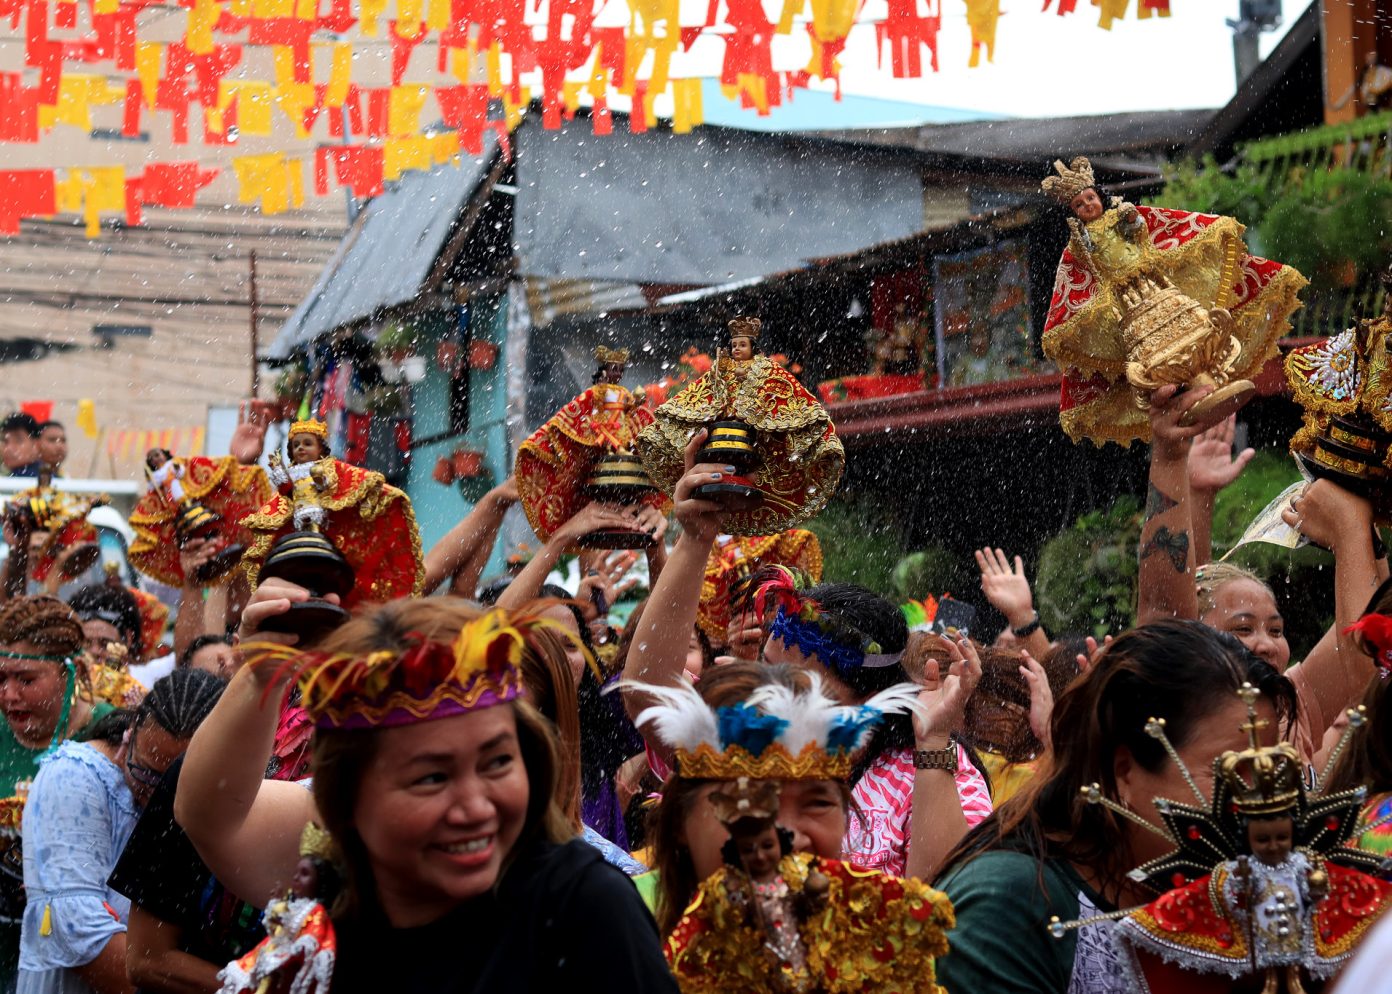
(1146, 296)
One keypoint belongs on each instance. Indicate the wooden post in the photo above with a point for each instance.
(255, 345)
(1348, 34)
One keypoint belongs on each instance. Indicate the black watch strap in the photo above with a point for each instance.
(1025, 631)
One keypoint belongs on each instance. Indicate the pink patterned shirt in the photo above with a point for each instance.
(878, 837)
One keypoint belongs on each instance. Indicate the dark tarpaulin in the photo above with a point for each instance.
(707, 207)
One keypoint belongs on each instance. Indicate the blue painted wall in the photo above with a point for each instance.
(439, 508)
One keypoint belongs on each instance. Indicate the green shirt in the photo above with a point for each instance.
(1003, 902)
(19, 763)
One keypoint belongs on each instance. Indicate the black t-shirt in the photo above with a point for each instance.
(162, 874)
(561, 920)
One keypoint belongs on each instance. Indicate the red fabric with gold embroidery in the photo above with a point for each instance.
(740, 556)
(224, 486)
(554, 463)
(154, 615)
(73, 533)
(370, 522)
(1096, 400)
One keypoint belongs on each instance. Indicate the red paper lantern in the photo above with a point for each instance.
(482, 355)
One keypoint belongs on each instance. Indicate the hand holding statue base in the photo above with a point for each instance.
(730, 442)
(618, 478)
(308, 559)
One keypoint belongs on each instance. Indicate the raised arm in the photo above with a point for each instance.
(471, 540)
(1212, 467)
(1165, 586)
(1335, 674)
(664, 631)
(1008, 590)
(592, 517)
(245, 828)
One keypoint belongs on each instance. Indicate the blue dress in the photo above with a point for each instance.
(77, 819)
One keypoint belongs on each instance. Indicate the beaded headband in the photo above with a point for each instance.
(801, 622)
(425, 681)
(777, 734)
(316, 428)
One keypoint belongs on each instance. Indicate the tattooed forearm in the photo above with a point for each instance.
(1175, 545)
(1157, 503)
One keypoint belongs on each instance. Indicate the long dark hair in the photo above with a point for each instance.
(1367, 762)
(1181, 671)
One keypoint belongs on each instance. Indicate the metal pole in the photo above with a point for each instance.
(255, 345)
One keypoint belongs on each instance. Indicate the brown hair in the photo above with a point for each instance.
(676, 876)
(44, 622)
(1367, 760)
(550, 689)
(341, 757)
(1211, 577)
(1181, 671)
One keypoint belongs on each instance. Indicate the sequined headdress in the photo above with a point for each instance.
(605, 355)
(317, 428)
(777, 734)
(1071, 180)
(799, 621)
(422, 682)
(317, 843)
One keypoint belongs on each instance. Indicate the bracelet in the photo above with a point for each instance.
(936, 759)
(1025, 631)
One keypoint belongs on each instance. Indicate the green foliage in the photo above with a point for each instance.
(1327, 218)
(937, 571)
(860, 542)
(1243, 193)
(398, 336)
(1086, 580)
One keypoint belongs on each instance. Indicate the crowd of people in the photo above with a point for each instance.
(493, 786)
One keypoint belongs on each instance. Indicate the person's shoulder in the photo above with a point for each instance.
(73, 758)
(996, 873)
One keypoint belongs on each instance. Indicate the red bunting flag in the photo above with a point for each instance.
(25, 193)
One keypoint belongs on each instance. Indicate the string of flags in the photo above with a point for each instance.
(566, 55)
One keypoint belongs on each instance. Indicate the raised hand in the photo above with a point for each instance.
(1212, 465)
(249, 437)
(1005, 587)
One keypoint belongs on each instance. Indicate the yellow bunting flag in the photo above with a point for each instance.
(198, 35)
(408, 17)
(982, 16)
(404, 107)
(437, 15)
(340, 74)
(401, 154)
(87, 417)
(255, 101)
(148, 55)
(369, 14)
(273, 179)
(686, 105)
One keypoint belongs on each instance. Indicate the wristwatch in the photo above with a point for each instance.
(1025, 631)
(936, 759)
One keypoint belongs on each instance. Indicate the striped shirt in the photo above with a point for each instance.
(877, 837)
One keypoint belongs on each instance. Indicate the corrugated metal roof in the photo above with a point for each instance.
(387, 255)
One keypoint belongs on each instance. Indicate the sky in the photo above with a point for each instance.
(1045, 65)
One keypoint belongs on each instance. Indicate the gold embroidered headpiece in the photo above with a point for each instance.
(745, 327)
(1071, 180)
(424, 681)
(1264, 780)
(316, 843)
(777, 733)
(605, 355)
(316, 428)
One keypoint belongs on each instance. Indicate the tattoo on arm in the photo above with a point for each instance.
(1175, 545)
(1157, 503)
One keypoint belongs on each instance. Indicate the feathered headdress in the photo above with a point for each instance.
(777, 734)
(422, 682)
(800, 621)
(1376, 633)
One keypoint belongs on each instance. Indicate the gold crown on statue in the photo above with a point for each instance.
(317, 843)
(745, 327)
(606, 355)
(1071, 180)
(316, 428)
(1264, 780)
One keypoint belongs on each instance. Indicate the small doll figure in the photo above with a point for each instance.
(755, 850)
(1146, 296)
(787, 459)
(61, 543)
(1262, 883)
(585, 452)
(297, 955)
(194, 498)
(333, 527)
